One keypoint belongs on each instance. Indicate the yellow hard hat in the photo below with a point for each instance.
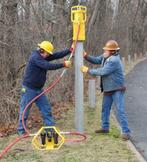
(47, 46)
(111, 45)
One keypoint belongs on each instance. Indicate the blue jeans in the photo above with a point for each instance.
(42, 103)
(118, 99)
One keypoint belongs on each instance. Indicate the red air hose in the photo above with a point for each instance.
(12, 144)
(35, 98)
(83, 137)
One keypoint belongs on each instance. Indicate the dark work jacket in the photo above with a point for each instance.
(37, 67)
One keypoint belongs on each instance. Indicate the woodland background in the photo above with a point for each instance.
(24, 23)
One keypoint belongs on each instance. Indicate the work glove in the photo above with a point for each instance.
(67, 64)
(84, 54)
(84, 69)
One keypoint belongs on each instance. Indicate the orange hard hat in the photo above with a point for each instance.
(111, 45)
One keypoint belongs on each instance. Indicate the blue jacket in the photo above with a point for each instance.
(111, 71)
(37, 67)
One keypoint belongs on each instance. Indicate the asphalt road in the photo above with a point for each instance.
(136, 105)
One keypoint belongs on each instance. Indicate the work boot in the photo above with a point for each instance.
(125, 137)
(101, 130)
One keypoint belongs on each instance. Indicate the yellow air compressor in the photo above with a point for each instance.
(48, 138)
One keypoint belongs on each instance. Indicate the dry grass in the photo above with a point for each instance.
(102, 148)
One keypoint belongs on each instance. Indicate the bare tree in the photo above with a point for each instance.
(24, 23)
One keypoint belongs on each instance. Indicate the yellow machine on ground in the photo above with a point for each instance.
(48, 138)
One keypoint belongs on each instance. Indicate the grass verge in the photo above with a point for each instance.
(97, 148)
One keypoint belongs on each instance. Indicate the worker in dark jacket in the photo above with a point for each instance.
(34, 79)
(112, 84)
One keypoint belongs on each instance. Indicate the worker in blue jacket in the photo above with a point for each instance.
(112, 84)
(34, 79)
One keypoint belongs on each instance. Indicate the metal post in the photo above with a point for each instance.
(129, 58)
(79, 89)
(135, 56)
(123, 61)
(78, 17)
(141, 55)
(91, 93)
